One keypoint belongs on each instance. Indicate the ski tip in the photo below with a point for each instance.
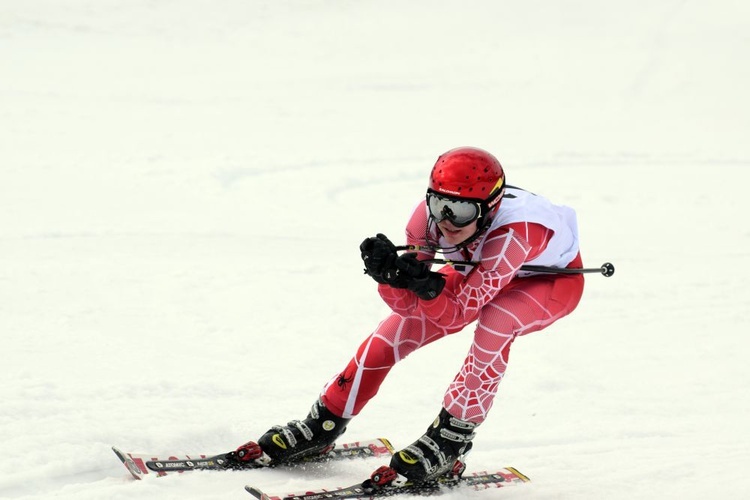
(519, 475)
(388, 445)
(128, 463)
(257, 493)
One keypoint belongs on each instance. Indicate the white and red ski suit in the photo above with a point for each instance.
(505, 303)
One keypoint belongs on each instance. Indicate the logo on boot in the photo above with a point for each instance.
(278, 441)
(329, 425)
(406, 458)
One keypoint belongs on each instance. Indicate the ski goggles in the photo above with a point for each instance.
(460, 213)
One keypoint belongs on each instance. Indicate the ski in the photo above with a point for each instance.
(142, 465)
(475, 481)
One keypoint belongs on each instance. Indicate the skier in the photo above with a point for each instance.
(469, 214)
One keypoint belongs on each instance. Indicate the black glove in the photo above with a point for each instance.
(379, 255)
(418, 277)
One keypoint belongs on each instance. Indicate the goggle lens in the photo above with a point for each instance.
(459, 212)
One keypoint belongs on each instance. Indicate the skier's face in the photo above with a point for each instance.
(455, 235)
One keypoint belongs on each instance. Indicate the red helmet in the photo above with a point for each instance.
(468, 173)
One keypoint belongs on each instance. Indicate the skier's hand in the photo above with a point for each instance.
(379, 255)
(418, 277)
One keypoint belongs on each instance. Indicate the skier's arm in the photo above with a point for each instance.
(505, 250)
(401, 300)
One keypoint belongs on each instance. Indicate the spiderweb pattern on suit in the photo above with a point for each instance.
(471, 394)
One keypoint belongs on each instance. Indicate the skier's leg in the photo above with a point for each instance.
(526, 305)
(394, 339)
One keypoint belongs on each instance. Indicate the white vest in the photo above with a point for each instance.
(522, 206)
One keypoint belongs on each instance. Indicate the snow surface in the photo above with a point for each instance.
(184, 187)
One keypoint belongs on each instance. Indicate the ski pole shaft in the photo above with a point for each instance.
(607, 269)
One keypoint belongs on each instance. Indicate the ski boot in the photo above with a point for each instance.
(315, 435)
(439, 453)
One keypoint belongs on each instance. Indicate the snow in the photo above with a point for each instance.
(185, 185)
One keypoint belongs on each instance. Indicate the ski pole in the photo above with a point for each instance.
(607, 269)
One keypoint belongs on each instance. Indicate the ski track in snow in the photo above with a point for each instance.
(185, 188)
